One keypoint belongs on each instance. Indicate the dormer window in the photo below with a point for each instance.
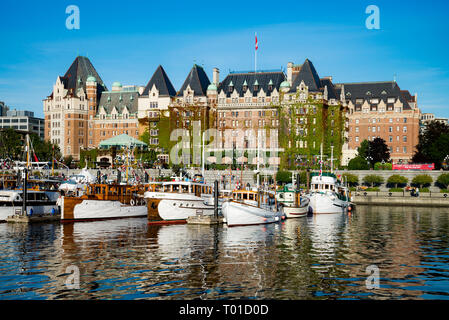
(231, 87)
(245, 86)
(270, 85)
(256, 85)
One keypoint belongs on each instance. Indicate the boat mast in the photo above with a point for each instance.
(332, 159)
(27, 149)
(127, 163)
(202, 159)
(258, 159)
(321, 159)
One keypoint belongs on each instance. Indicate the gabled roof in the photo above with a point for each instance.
(162, 83)
(197, 80)
(372, 90)
(308, 74)
(250, 79)
(331, 92)
(77, 74)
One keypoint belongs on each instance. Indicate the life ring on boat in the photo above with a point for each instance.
(132, 202)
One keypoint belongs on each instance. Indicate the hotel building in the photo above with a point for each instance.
(382, 109)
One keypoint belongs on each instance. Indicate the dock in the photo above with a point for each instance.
(33, 219)
(204, 219)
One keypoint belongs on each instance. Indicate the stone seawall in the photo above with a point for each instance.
(399, 199)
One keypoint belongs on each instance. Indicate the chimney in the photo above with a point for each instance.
(290, 72)
(216, 76)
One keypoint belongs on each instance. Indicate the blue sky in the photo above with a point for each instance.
(126, 41)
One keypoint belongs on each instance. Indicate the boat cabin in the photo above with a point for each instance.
(126, 194)
(187, 187)
(323, 183)
(14, 197)
(288, 197)
(253, 197)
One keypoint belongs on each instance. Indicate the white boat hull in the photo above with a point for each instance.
(321, 203)
(295, 212)
(181, 209)
(239, 214)
(104, 209)
(7, 211)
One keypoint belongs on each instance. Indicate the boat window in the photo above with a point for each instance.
(251, 196)
(245, 196)
(326, 186)
(185, 189)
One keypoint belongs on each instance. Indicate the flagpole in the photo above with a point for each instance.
(255, 56)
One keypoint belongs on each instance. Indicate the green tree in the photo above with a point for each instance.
(396, 180)
(283, 177)
(378, 150)
(10, 144)
(358, 163)
(433, 144)
(352, 179)
(443, 180)
(44, 149)
(363, 150)
(422, 180)
(68, 160)
(373, 179)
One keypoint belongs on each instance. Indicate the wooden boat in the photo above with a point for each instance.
(177, 200)
(249, 207)
(292, 204)
(105, 201)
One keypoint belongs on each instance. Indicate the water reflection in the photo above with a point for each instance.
(319, 257)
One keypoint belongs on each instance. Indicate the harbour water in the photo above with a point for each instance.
(319, 257)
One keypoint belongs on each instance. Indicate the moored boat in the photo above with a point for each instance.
(292, 204)
(38, 202)
(177, 200)
(327, 194)
(249, 207)
(104, 201)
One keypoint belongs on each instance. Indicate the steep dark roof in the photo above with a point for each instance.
(120, 100)
(308, 74)
(263, 80)
(77, 74)
(197, 80)
(370, 90)
(331, 92)
(162, 83)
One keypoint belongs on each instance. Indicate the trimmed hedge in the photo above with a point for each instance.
(396, 190)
